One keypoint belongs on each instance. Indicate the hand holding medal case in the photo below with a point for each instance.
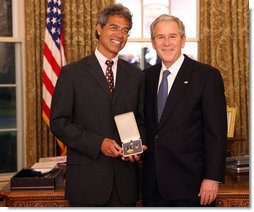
(129, 134)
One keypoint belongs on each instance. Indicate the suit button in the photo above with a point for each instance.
(156, 137)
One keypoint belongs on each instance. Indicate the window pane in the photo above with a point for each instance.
(153, 9)
(7, 108)
(143, 55)
(131, 53)
(140, 54)
(191, 49)
(135, 8)
(8, 152)
(187, 12)
(6, 18)
(7, 63)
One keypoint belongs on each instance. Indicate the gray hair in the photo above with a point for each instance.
(113, 9)
(166, 17)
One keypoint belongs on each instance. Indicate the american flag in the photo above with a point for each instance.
(53, 59)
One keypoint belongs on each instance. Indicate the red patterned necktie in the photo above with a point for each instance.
(109, 75)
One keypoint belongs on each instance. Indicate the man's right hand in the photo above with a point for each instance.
(110, 148)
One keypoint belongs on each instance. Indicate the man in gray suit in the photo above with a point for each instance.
(86, 99)
(186, 133)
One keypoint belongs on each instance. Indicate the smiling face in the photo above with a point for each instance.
(168, 42)
(112, 40)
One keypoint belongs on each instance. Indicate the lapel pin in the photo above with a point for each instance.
(186, 82)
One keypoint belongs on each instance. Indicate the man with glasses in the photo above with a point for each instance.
(88, 94)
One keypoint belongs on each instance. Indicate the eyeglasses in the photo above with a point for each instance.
(116, 28)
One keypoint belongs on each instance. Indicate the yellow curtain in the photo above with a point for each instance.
(224, 43)
(79, 18)
(79, 26)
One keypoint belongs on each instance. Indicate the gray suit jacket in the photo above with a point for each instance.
(188, 144)
(82, 115)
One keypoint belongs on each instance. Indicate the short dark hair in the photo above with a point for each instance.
(113, 9)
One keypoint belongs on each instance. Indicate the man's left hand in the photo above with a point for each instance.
(133, 158)
(208, 191)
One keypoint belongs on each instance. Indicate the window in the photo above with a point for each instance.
(138, 49)
(11, 133)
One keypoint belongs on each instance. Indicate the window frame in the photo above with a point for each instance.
(17, 38)
(188, 40)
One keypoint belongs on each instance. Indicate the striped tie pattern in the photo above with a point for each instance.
(163, 93)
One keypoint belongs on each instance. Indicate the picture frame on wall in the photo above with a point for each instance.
(231, 116)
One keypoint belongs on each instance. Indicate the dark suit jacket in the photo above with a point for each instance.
(188, 144)
(82, 115)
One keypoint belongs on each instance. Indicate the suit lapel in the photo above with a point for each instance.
(153, 84)
(152, 80)
(97, 73)
(121, 79)
(182, 80)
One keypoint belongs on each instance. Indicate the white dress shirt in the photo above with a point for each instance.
(102, 59)
(173, 72)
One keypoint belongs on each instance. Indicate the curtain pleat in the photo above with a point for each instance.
(224, 43)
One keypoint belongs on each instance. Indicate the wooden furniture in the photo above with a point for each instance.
(33, 198)
(235, 191)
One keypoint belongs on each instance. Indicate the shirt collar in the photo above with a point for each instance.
(102, 59)
(175, 67)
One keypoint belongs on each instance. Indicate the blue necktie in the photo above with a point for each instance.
(163, 93)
